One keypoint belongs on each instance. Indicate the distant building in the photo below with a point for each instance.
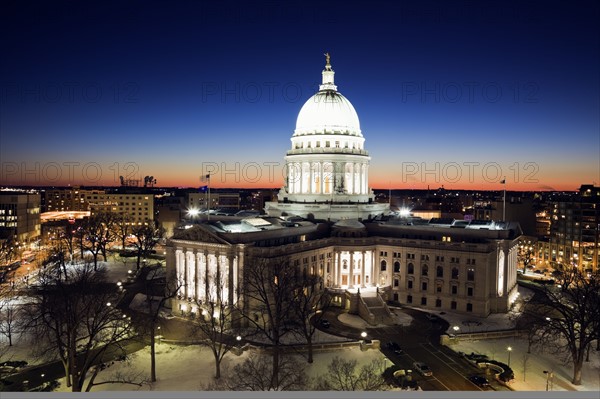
(218, 200)
(138, 207)
(69, 199)
(574, 231)
(517, 208)
(20, 216)
(168, 212)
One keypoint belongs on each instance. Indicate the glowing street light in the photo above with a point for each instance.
(363, 335)
(509, 349)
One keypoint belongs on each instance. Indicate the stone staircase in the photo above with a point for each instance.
(376, 307)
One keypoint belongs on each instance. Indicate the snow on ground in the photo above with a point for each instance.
(191, 368)
(529, 368)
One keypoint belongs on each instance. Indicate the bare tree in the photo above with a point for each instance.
(8, 250)
(147, 236)
(215, 320)
(122, 229)
(343, 375)
(568, 317)
(147, 325)
(310, 303)
(254, 374)
(269, 290)
(107, 234)
(8, 312)
(75, 318)
(93, 233)
(526, 254)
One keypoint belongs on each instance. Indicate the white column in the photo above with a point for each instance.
(179, 267)
(190, 266)
(337, 269)
(230, 279)
(351, 271)
(362, 270)
(199, 276)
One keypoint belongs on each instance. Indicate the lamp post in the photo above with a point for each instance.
(509, 349)
(363, 335)
(549, 376)
(159, 336)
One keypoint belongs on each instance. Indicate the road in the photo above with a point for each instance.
(420, 342)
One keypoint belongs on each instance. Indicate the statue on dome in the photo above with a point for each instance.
(327, 57)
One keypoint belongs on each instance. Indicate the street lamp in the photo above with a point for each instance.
(159, 336)
(509, 349)
(549, 375)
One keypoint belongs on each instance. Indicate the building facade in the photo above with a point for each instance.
(20, 216)
(468, 270)
(137, 207)
(574, 231)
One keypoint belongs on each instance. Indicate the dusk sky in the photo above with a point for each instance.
(466, 91)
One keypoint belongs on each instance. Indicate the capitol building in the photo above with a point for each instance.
(328, 165)
(327, 224)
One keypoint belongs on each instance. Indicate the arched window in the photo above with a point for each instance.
(411, 268)
(383, 265)
(454, 273)
(424, 270)
(396, 267)
(439, 271)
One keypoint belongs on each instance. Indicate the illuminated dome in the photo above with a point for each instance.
(327, 112)
(327, 166)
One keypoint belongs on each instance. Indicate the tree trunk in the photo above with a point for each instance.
(217, 365)
(587, 353)
(275, 375)
(578, 365)
(152, 356)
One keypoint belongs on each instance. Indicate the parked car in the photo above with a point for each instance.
(325, 323)
(392, 345)
(423, 369)
(479, 380)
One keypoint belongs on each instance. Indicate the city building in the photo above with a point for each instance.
(517, 207)
(218, 200)
(69, 199)
(574, 231)
(137, 207)
(326, 223)
(20, 215)
(328, 165)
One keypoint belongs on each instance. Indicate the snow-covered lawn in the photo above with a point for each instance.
(191, 368)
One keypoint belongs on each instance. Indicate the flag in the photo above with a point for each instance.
(205, 178)
(503, 181)
(203, 188)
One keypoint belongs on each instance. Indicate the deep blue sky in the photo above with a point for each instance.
(172, 86)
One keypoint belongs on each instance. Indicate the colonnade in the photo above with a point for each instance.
(318, 177)
(207, 275)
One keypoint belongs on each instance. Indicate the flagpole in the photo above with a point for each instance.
(504, 201)
(208, 205)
